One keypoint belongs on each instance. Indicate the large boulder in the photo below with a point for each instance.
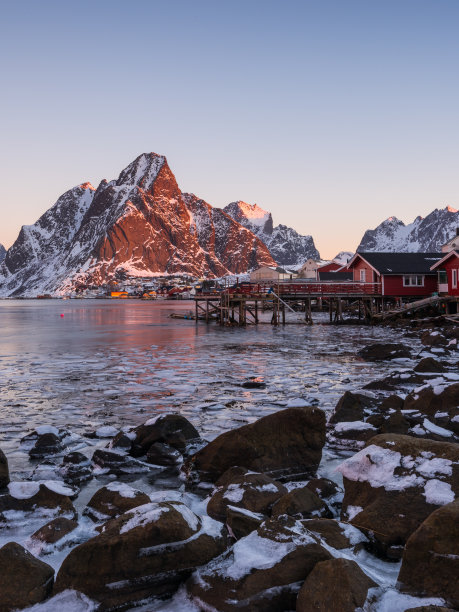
(429, 364)
(145, 552)
(337, 584)
(286, 445)
(112, 500)
(116, 462)
(393, 484)
(75, 468)
(172, 429)
(430, 563)
(254, 492)
(383, 352)
(50, 498)
(24, 580)
(4, 472)
(261, 572)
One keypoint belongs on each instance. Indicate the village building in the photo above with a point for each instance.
(268, 273)
(448, 273)
(452, 244)
(397, 274)
(309, 269)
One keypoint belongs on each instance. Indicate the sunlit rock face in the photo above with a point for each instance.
(137, 225)
(424, 235)
(288, 247)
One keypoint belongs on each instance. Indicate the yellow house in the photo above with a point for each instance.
(119, 294)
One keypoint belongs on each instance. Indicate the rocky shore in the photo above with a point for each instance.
(250, 521)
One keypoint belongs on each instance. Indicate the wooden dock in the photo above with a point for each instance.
(242, 305)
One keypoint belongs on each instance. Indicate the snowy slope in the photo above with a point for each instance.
(2, 253)
(137, 225)
(288, 247)
(423, 235)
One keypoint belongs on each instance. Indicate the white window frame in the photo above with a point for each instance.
(363, 275)
(413, 280)
(454, 278)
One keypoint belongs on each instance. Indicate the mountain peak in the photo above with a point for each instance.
(451, 209)
(143, 171)
(87, 185)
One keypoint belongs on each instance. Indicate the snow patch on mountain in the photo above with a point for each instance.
(425, 235)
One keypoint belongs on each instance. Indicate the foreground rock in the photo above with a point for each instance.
(171, 429)
(430, 564)
(254, 492)
(145, 552)
(441, 408)
(393, 484)
(383, 352)
(4, 472)
(50, 498)
(262, 571)
(113, 500)
(286, 445)
(54, 531)
(337, 584)
(352, 407)
(301, 503)
(24, 580)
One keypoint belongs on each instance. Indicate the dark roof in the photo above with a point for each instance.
(335, 276)
(402, 263)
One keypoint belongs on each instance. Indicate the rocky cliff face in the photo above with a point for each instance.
(424, 235)
(139, 225)
(2, 253)
(285, 244)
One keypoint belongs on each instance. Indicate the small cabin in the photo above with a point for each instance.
(268, 273)
(309, 269)
(400, 274)
(447, 269)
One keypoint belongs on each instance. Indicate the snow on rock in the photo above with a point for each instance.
(143, 515)
(67, 601)
(107, 431)
(23, 490)
(424, 235)
(377, 466)
(438, 492)
(2, 253)
(123, 489)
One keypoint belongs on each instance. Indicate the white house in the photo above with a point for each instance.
(268, 273)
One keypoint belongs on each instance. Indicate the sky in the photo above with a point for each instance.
(331, 114)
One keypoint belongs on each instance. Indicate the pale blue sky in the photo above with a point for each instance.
(333, 115)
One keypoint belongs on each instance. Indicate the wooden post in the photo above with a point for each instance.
(330, 309)
(283, 314)
(196, 311)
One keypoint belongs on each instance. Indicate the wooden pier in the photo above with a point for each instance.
(242, 305)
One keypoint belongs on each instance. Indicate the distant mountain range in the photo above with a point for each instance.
(424, 235)
(140, 225)
(285, 244)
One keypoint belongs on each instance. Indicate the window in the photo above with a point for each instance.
(362, 275)
(413, 281)
(454, 278)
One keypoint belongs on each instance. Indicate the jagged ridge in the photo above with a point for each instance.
(288, 247)
(424, 235)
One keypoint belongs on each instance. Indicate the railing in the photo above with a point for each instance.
(315, 288)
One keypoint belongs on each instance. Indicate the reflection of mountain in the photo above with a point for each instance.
(139, 225)
(424, 235)
(285, 244)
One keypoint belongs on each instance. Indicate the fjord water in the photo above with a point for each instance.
(81, 364)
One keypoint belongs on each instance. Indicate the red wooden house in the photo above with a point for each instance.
(399, 274)
(448, 273)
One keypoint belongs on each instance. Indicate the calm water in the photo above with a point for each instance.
(119, 363)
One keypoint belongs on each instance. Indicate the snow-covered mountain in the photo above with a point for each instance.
(139, 224)
(2, 253)
(288, 247)
(343, 257)
(424, 235)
